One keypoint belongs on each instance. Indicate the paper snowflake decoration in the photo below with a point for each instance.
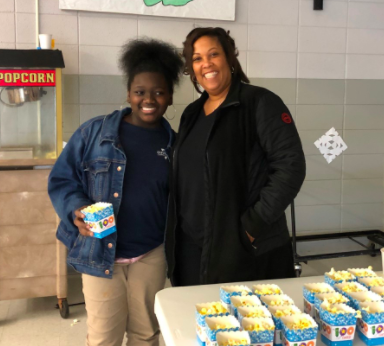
(331, 145)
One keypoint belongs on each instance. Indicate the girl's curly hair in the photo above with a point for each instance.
(149, 55)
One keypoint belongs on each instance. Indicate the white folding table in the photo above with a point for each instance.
(175, 307)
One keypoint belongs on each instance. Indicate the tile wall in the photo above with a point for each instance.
(328, 67)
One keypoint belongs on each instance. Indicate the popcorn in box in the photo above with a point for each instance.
(347, 287)
(362, 272)
(371, 282)
(370, 327)
(266, 289)
(299, 329)
(252, 311)
(233, 338)
(379, 290)
(261, 330)
(100, 218)
(338, 324)
(277, 312)
(309, 291)
(361, 297)
(204, 310)
(217, 324)
(276, 299)
(237, 301)
(332, 298)
(334, 277)
(226, 292)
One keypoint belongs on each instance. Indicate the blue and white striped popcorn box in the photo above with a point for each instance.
(309, 291)
(252, 311)
(370, 327)
(305, 337)
(201, 326)
(230, 323)
(372, 282)
(358, 297)
(276, 299)
(226, 292)
(261, 337)
(346, 287)
(292, 309)
(320, 297)
(266, 289)
(223, 338)
(102, 222)
(330, 277)
(362, 272)
(237, 301)
(337, 329)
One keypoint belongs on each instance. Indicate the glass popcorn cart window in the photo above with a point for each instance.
(28, 114)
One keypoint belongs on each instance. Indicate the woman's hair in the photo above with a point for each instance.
(226, 42)
(149, 55)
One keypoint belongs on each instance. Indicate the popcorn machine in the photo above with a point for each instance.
(32, 261)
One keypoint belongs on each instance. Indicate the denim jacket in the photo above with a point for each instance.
(91, 169)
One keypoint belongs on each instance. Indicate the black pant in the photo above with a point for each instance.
(187, 264)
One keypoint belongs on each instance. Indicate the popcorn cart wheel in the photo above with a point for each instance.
(63, 306)
(371, 238)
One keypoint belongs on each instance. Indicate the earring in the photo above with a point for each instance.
(233, 70)
(194, 79)
(174, 113)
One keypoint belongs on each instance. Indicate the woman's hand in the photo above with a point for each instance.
(84, 229)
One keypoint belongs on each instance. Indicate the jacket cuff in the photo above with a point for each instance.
(254, 224)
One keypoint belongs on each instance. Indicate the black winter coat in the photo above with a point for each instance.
(254, 167)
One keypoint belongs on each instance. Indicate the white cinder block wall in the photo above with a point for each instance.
(328, 66)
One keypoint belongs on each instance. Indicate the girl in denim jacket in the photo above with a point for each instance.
(122, 158)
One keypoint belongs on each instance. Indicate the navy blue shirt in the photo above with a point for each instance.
(142, 215)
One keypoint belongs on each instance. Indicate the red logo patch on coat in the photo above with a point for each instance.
(286, 118)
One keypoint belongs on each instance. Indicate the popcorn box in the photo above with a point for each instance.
(276, 299)
(226, 292)
(332, 298)
(266, 289)
(100, 218)
(233, 338)
(299, 329)
(217, 324)
(261, 330)
(252, 311)
(346, 287)
(370, 327)
(277, 312)
(362, 272)
(203, 311)
(337, 328)
(335, 277)
(359, 297)
(309, 291)
(371, 282)
(237, 301)
(379, 290)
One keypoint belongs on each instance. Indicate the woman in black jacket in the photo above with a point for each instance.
(237, 165)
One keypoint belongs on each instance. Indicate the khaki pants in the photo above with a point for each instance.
(125, 303)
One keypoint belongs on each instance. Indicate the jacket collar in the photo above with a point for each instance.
(111, 124)
(233, 98)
